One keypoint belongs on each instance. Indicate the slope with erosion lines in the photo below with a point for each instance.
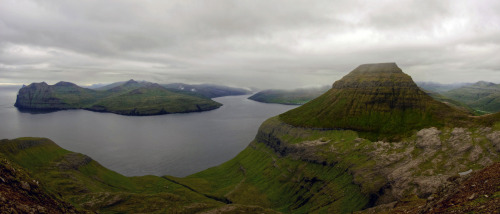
(378, 100)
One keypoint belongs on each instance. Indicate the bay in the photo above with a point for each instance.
(174, 144)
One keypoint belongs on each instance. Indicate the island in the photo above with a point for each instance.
(129, 98)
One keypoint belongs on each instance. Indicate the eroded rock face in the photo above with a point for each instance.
(418, 165)
(494, 137)
(38, 96)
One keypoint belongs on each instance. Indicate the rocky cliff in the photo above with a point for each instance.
(20, 193)
(39, 96)
(388, 171)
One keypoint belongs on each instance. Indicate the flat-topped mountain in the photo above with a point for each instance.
(377, 98)
(129, 98)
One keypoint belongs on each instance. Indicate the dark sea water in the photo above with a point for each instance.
(176, 144)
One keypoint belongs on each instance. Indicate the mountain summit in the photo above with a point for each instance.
(373, 98)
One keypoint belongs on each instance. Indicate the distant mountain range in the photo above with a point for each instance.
(483, 96)
(126, 98)
(206, 90)
(440, 87)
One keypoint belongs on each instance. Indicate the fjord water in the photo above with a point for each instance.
(175, 144)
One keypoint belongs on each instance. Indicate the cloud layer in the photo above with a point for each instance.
(266, 44)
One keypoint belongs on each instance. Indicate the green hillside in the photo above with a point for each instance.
(289, 97)
(377, 99)
(483, 96)
(87, 185)
(130, 98)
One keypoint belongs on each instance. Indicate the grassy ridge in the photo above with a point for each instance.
(258, 176)
(88, 185)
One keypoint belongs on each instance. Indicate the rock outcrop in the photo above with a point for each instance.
(19, 193)
(39, 96)
(388, 171)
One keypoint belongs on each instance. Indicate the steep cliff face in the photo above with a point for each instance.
(39, 96)
(375, 98)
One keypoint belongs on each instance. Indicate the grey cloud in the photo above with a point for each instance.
(268, 44)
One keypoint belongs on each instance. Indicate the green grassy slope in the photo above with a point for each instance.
(258, 176)
(87, 185)
(378, 99)
(483, 96)
(130, 98)
(152, 100)
(289, 97)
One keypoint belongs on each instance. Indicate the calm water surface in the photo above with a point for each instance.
(177, 144)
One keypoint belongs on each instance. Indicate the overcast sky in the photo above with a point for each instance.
(265, 44)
